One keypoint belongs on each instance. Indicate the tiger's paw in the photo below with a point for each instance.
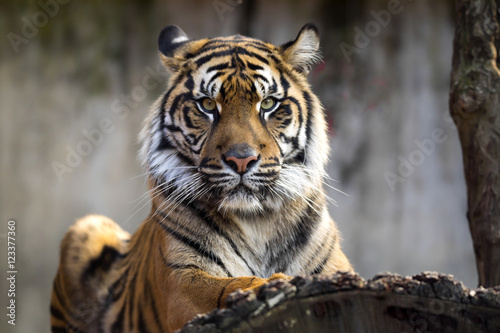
(279, 276)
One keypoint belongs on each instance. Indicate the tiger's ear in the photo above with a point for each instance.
(174, 45)
(303, 52)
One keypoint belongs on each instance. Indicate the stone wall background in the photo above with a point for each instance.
(87, 63)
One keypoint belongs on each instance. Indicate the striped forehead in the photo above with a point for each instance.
(235, 63)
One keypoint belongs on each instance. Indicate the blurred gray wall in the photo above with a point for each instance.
(91, 63)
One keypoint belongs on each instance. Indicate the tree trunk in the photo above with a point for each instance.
(475, 108)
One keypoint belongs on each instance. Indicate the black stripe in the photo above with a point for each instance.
(180, 154)
(274, 87)
(187, 118)
(285, 123)
(258, 76)
(176, 129)
(56, 313)
(115, 292)
(297, 104)
(203, 87)
(197, 152)
(208, 49)
(300, 157)
(265, 174)
(277, 62)
(239, 50)
(164, 143)
(180, 266)
(217, 186)
(237, 62)
(212, 79)
(117, 288)
(141, 323)
(285, 84)
(309, 107)
(322, 264)
(212, 167)
(214, 226)
(164, 101)
(176, 101)
(222, 91)
(254, 67)
(286, 110)
(263, 49)
(185, 158)
(131, 304)
(226, 42)
(58, 329)
(103, 263)
(189, 84)
(218, 175)
(118, 324)
(175, 223)
(218, 67)
(152, 300)
(204, 59)
(303, 231)
(305, 227)
(288, 139)
(268, 165)
(204, 164)
(194, 245)
(253, 55)
(222, 294)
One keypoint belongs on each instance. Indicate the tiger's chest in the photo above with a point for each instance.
(252, 249)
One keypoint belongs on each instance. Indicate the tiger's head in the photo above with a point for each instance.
(238, 127)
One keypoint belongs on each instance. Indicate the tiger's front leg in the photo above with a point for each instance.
(188, 292)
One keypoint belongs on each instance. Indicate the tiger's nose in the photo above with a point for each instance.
(240, 158)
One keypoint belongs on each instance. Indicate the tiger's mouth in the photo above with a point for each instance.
(240, 196)
(242, 199)
(243, 190)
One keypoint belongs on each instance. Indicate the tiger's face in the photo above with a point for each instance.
(237, 123)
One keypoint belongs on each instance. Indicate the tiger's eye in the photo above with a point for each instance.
(267, 104)
(208, 104)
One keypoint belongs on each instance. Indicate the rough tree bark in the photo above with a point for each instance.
(475, 108)
(427, 302)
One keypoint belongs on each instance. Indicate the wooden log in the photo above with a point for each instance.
(427, 302)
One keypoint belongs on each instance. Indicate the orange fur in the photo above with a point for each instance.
(214, 227)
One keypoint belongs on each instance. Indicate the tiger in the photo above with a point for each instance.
(235, 152)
